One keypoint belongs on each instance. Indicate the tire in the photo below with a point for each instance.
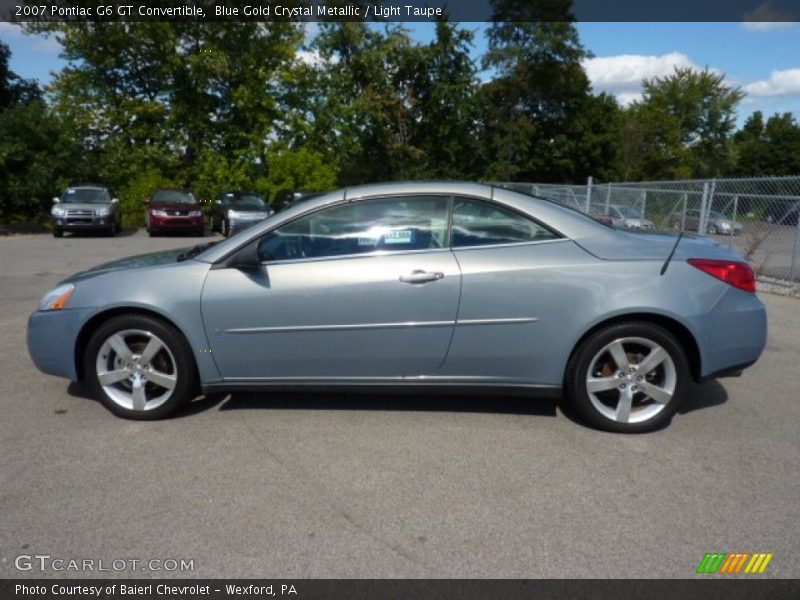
(225, 229)
(594, 359)
(57, 233)
(211, 225)
(172, 364)
(111, 231)
(151, 233)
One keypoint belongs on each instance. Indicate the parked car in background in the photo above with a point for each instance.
(174, 211)
(286, 198)
(86, 208)
(234, 211)
(621, 216)
(785, 211)
(418, 286)
(717, 223)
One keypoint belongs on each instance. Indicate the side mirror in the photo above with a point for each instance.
(56, 200)
(146, 201)
(115, 201)
(246, 258)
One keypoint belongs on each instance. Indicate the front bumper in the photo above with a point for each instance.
(237, 225)
(176, 223)
(83, 223)
(52, 336)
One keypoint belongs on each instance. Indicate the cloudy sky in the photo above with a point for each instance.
(762, 58)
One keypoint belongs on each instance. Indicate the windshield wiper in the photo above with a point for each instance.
(195, 250)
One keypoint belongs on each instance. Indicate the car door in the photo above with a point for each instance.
(365, 289)
(518, 295)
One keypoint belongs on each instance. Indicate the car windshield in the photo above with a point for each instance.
(173, 197)
(85, 196)
(247, 202)
(628, 212)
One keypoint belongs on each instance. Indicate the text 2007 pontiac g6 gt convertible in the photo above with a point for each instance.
(413, 285)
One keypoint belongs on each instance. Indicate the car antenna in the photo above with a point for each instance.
(672, 253)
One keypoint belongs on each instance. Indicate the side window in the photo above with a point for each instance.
(478, 223)
(385, 224)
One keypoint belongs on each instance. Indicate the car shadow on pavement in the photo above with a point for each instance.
(98, 234)
(363, 401)
(704, 395)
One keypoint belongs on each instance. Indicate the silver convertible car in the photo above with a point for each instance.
(419, 286)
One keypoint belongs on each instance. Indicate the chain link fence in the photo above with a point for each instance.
(757, 217)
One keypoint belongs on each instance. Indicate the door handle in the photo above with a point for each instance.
(419, 276)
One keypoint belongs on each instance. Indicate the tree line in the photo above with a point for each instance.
(265, 106)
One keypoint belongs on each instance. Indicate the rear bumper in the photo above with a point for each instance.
(734, 334)
(52, 336)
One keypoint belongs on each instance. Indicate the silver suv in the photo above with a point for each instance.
(86, 208)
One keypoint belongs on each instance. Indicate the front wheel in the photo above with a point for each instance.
(58, 233)
(140, 367)
(225, 228)
(628, 378)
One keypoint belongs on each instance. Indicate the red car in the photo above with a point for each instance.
(172, 210)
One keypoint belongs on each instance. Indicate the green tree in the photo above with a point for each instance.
(537, 110)
(768, 149)
(692, 115)
(38, 154)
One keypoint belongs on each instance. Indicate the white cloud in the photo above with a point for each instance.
(765, 17)
(780, 83)
(767, 25)
(622, 75)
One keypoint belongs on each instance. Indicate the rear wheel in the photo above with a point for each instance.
(140, 367)
(225, 229)
(628, 378)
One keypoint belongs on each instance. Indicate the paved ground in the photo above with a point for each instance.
(314, 486)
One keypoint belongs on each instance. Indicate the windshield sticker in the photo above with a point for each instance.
(399, 236)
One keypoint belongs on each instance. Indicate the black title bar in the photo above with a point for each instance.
(400, 10)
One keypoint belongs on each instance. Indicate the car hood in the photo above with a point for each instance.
(628, 245)
(153, 259)
(175, 206)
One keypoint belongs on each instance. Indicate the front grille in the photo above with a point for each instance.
(80, 212)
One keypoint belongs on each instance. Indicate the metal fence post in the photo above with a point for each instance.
(588, 192)
(733, 231)
(608, 198)
(644, 203)
(683, 212)
(701, 222)
(793, 273)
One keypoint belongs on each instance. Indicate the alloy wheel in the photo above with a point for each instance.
(631, 380)
(136, 369)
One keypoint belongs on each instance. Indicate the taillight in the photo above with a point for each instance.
(737, 274)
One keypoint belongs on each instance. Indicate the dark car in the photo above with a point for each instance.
(285, 198)
(174, 210)
(234, 211)
(86, 208)
(783, 211)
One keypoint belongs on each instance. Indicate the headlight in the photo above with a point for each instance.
(103, 212)
(724, 226)
(57, 211)
(232, 214)
(57, 298)
(195, 213)
(158, 213)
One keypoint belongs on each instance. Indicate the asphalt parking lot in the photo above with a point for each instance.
(374, 486)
